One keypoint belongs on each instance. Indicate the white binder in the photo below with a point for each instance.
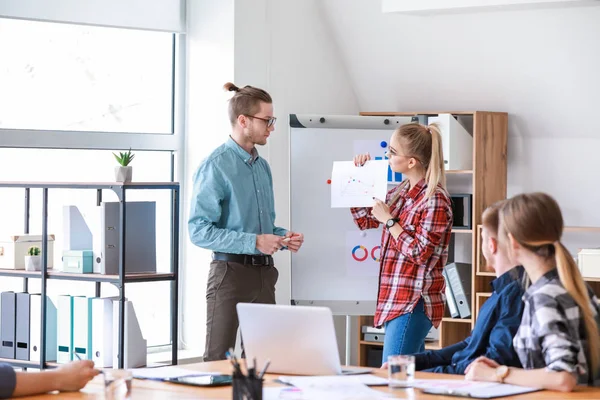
(102, 331)
(8, 310)
(136, 347)
(140, 237)
(35, 314)
(65, 329)
(22, 320)
(82, 327)
(452, 307)
(76, 232)
(457, 143)
(459, 277)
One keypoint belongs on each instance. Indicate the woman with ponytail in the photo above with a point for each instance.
(417, 218)
(557, 342)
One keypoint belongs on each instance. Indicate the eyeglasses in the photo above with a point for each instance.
(391, 153)
(270, 121)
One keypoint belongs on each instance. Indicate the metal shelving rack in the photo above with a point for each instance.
(118, 280)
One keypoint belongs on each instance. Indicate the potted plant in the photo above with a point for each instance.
(123, 172)
(33, 259)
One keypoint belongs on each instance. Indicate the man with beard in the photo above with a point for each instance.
(232, 213)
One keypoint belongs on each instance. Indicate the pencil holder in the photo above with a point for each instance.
(247, 388)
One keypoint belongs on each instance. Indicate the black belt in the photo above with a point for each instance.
(246, 259)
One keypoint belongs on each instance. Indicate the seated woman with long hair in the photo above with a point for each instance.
(557, 342)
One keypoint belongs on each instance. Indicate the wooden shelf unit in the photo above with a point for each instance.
(364, 345)
(480, 298)
(489, 182)
(462, 231)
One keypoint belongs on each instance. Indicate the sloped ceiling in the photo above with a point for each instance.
(541, 65)
(439, 6)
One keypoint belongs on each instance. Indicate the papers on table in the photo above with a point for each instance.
(350, 387)
(162, 373)
(354, 387)
(364, 379)
(464, 388)
(356, 186)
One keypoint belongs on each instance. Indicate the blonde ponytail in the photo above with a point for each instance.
(436, 174)
(571, 279)
(424, 143)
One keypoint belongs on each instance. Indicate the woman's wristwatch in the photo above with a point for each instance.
(390, 222)
(502, 372)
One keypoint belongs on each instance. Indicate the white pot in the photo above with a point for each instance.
(33, 263)
(123, 174)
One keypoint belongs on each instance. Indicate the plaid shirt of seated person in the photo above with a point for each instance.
(552, 332)
(411, 267)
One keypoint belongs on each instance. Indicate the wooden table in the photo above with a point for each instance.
(153, 390)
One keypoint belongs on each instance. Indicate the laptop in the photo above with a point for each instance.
(298, 340)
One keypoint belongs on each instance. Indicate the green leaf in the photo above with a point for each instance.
(124, 158)
(33, 251)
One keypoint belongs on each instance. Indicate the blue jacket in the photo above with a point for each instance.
(492, 336)
(8, 381)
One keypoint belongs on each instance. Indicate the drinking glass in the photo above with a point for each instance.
(401, 371)
(117, 384)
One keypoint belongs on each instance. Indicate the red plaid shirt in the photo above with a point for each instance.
(411, 267)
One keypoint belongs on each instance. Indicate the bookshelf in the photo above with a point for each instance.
(487, 181)
(119, 280)
(482, 270)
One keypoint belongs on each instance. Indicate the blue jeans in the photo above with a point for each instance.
(406, 334)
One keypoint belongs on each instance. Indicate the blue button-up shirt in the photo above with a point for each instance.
(232, 201)
(497, 323)
(8, 381)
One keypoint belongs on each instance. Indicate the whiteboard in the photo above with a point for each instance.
(338, 264)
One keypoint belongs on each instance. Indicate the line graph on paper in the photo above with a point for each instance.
(353, 186)
(357, 185)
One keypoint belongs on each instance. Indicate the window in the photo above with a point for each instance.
(151, 300)
(83, 78)
(67, 94)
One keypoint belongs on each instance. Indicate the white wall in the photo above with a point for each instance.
(284, 47)
(297, 62)
(540, 66)
(209, 65)
(565, 167)
(436, 6)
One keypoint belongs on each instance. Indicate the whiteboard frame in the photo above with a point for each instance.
(338, 307)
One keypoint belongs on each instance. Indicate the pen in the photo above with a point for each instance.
(264, 369)
(252, 371)
(236, 367)
(81, 359)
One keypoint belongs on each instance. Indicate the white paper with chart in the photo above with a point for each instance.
(353, 186)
